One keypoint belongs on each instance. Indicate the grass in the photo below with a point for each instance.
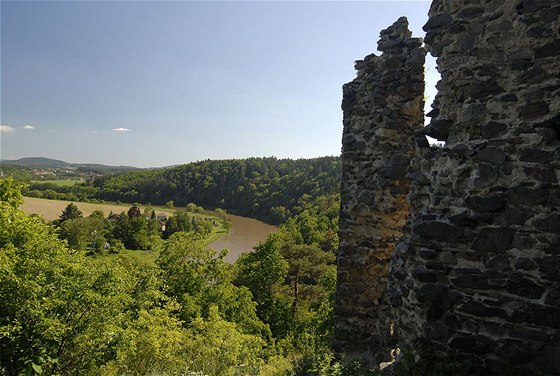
(51, 209)
(136, 256)
(217, 233)
(61, 183)
(131, 257)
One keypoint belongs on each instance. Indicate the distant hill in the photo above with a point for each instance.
(36, 162)
(39, 162)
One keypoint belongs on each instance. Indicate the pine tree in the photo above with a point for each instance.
(70, 212)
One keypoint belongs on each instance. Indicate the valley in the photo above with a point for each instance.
(244, 234)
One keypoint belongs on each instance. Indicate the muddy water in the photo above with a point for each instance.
(245, 233)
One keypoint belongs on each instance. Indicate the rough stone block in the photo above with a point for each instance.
(548, 360)
(437, 21)
(527, 196)
(492, 155)
(495, 240)
(490, 203)
(440, 231)
(477, 344)
(479, 309)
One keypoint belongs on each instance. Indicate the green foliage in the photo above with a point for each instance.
(317, 364)
(116, 246)
(203, 227)
(67, 313)
(199, 279)
(120, 228)
(263, 273)
(35, 193)
(180, 221)
(216, 347)
(134, 211)
(221, 213)
(137, 233)
(153, 228)
(98, 214)
(132, 230)
(81, 232)
(56, 303)
(62, 190)
(10, 191)
(308, 264)
(264, 188)
(18, 173)
(292, 278)
(70, 212)
(152, 343)
(227, 225)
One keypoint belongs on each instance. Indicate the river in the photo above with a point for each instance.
(244, 234)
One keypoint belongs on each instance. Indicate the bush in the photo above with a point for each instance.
(116, 246)
(35, 193)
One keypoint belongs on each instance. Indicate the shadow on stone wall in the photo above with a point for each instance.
(477, 270)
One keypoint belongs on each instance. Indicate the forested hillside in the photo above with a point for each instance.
(67, 312)
(263, 188)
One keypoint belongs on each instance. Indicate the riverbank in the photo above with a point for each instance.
(245, 233)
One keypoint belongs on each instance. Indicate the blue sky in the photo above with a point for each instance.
(159, 83)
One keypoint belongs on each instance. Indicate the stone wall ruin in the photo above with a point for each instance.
(476, 273)
(382, 111)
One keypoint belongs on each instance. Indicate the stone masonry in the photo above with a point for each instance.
(476, 275)
(382, 110)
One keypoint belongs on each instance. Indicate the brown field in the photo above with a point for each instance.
(51, 209)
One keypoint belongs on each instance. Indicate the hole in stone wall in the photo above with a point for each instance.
(431, 78)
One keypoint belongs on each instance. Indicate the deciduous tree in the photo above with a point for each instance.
(10, 191)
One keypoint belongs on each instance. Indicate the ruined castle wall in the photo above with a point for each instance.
(382, 109)
(478, 271)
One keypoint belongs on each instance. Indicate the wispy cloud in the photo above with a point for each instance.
(6, 128)
(121, 129)
(28, 127)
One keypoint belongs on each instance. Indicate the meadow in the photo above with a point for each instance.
(51, 209)
(61, 183)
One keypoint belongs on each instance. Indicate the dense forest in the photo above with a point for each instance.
(66, 311)
(264, 188)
